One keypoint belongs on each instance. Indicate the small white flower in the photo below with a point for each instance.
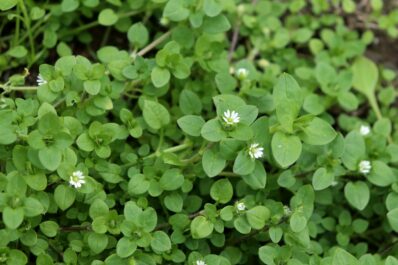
(40, 80)
(241, 73)
(256, 151)
(364, 166)
(231, 117)
(77, 179)
(364, 130)
(241, 206)
(200, 262)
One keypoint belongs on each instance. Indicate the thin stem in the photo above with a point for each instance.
(153, 44)
(28, 28)
(167, 150)
(191, 216)
(75, 228)
(17, 26)
(375, 106)
(234, 41)
(79, 29)
(228, 174)
(160, 144)
(22, 88)
(170, 150)
(94, 24)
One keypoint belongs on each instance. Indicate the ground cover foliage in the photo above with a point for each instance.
(204, 132)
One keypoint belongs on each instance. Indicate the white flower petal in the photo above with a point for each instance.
(364, 130)
(364, 166)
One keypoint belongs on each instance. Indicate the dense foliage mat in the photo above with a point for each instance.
(204, 132)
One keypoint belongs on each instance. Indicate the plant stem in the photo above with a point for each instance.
(191, 216)
(167, 150)
(170, 150)
(22, 88)
(17, 25)
(228, 174)
(75, 228)
(161, 139)
(94, 24)
(28, 28)
(375, 106)
(154, 43)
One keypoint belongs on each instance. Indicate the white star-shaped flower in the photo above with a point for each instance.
(364, 166)
(40, 80)
(256, 151)
(231, 117)
(241, 73)
(241, 206)
(200, 262)
(77, 179)
(364, 130)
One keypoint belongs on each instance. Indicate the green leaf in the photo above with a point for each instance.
(17, 51)
(125, 247)
(64, 196)
(365, 76)
(286, 149)
(215, 25)
(98, 208)
(381, 174)
(190, 102)
(213, 131)
(7, 4)
(391, 261)
(201, 227)
(357, 194)
(17, 257)
(160, 242)
(50, 157)
(138, 35)
(155, 114)
(258, 216)
(92, 87)
(354, 150)
(171, 179)
(49, 228)
(97, 242)
(244, 164)
(191, 124)
(298, 222)
(392, 217)
(342, 257)
(221, 191)
(85, 143)
(8, 136)
(107, 17)
(69, 5)
(241, 132)
(174, 202)
(267, 254)
(138, 184)
(32, 207)
(288, 99)
(322, 179)
(12, 218)
(212, 163)
(317, 132)
(211, 8)
(160, 76)
(175, 10)
(37, 182)
(258, 178)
